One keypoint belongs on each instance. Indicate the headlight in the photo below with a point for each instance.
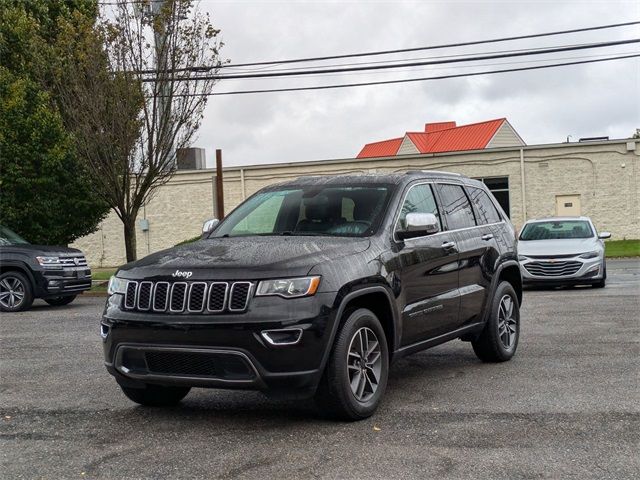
(522, 258)
(289, 287)
(117, 285)
(48, 261)
(590, 255)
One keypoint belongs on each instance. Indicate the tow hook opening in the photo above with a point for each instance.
(104, 331)
(282, 337)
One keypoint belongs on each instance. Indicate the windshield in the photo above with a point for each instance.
(556, 230)
(8, 237)
(353, 211)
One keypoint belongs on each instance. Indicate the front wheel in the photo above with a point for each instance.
(355, 377)
(15, 292)
(156, 395)
(499, 339)
(60, 301)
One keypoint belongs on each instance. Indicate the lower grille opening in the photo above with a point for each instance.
(220, 365)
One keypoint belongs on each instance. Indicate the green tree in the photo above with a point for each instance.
(132, 92)
(45, 192)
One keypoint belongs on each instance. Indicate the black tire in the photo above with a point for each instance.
(335, 396)
(156, 395)
(603, 282)
(495, 343)
(60, 301)
(16, 293)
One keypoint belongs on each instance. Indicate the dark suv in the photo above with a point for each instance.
(54, 273)
(314, 286)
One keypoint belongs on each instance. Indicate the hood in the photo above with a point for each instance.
(49, 250)
(245, 257)
(570, 246)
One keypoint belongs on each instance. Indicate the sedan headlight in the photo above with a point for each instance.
(590, 254)
(117, 285)
(289, 287)
(48, 261)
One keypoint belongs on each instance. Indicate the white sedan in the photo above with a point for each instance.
(562, 251)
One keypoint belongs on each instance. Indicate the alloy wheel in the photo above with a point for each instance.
(364, 364)
(507, 324)
(12, 292)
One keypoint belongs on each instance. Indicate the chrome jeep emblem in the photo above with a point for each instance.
(179, 274)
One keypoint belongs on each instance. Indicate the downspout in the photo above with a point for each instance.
(522, 186)
(242, 184)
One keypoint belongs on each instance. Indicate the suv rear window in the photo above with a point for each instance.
(456, 207)
(485, 209)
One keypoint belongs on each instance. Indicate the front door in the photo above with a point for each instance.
(427, 270)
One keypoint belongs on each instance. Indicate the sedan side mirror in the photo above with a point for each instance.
(603, 235)
(209, 226)
(419, 224)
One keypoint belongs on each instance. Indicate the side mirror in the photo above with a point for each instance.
(603, 235)
(419, 224)
(209, 226)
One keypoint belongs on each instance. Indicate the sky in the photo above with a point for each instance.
(545, 106)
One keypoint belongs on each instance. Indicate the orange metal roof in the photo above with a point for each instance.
(437, 139)
(435, 127)
(386, 148)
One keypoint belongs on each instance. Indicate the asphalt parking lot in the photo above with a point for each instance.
(568, 406)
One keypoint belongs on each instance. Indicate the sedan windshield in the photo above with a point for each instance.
(9, 237)
(339, 211)
(556, 230)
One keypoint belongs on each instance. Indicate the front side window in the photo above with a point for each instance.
(556, 230)
(9, 237)
(456, 207)
(420, 199)
(309, 210)
(485, 209)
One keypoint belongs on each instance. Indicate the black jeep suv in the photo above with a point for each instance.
(314, 286)
(53, 273)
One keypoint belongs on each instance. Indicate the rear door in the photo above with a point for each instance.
(472, 243)
(426, 267)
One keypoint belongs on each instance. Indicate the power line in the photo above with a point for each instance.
(400, 65)
(403, 50)
(434, 47)
(408, 80)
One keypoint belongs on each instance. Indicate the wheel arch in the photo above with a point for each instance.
(510, 272)
(20, 268)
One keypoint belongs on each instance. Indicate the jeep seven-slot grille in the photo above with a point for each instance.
(187, 297)
(552, 269)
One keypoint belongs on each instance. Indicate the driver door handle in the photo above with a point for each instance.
(488, 236)
(449, 245)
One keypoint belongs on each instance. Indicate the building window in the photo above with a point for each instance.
(499, 186)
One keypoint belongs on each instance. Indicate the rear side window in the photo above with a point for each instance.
(456, 207)
(485, 209)
(420, 199)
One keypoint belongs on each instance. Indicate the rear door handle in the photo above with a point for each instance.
(487, 237)
(449, 245)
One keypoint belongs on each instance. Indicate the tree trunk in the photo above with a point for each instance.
(130, 239)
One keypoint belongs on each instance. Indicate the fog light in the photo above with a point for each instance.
(289, 336)
(54, 284)
(104, 331)
(595, 268)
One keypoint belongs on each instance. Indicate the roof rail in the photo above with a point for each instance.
(434, 172)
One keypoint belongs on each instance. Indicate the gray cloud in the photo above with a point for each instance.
(544, 106)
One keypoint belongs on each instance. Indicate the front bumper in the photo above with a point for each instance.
(566, 271)
(222, 350)
(60, 282)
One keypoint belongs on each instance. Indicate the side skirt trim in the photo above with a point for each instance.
(432, 342)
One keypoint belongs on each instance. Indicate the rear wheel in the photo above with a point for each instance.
(499, 339)
(15, 292)
(156, 395)
(59, 301)
(355, 377)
